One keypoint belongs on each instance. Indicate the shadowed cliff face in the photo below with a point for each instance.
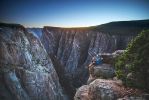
(74, 48)
(26, 71)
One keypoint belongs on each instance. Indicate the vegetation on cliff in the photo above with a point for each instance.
(133, 66)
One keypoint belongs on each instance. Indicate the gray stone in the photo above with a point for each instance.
(104, 71)
(102, 89)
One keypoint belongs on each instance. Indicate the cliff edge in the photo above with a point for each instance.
(103, 85)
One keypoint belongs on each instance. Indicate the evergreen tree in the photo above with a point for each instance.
(133, 66)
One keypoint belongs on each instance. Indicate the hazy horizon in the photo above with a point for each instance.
(71, 13)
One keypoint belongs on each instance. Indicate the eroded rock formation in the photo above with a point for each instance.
(74, 48)
(26, 71)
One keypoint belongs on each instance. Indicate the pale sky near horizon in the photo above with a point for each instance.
(71, 13)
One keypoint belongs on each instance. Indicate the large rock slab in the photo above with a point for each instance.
(104, 71)
(101, 89)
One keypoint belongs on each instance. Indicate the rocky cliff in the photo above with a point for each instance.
(74, 47)
(26, 71)
(102, 85)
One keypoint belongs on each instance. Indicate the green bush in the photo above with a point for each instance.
(133, 66)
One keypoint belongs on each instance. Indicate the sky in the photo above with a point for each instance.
(71, 13)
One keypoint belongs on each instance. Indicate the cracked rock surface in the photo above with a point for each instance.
(26, 71)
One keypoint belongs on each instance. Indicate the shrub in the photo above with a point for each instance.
(133, 66)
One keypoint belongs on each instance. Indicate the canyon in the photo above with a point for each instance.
(50, 63)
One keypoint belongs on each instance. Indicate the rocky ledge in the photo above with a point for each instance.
(105, 70)
(103, 85)
(101, 89)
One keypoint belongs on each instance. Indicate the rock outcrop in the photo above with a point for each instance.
(101, 89)
(102, 85)
(104, 71)
(26, 71)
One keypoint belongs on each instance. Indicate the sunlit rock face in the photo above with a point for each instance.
(26, 71)
(75, 47)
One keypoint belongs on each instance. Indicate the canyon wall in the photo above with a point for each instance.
(75, 47)
(47, 63)
(26, 71)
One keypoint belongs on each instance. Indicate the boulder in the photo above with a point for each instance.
(101, 89)
(104, 71)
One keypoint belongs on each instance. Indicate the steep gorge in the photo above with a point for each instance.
(44, 63)
(74, 49)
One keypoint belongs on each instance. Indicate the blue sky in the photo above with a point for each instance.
(71, 13)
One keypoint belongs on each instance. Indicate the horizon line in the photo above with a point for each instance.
(70, 26)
